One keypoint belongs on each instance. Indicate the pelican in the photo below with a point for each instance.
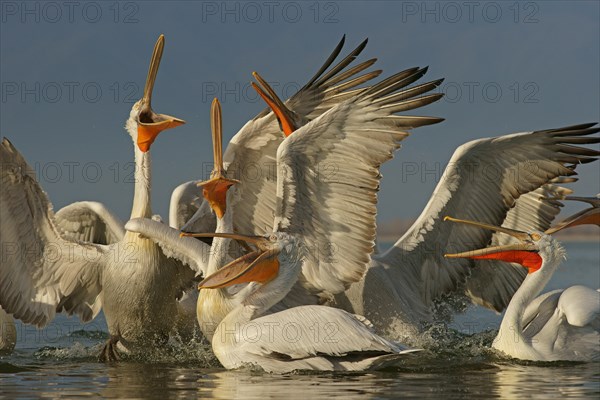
(8, 333)
(398, 290)
(307, 337)
(45, 271)
(216, 190)
(563, 324)
(356, 136)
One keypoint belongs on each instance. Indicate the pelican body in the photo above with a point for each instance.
(301, 338)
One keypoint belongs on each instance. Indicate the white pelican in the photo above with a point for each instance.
(309, 337)
(497, 180)
(333, 209)
(45, 272)
(8, 333)
(563, 324)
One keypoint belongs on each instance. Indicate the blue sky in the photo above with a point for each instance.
(70, 71)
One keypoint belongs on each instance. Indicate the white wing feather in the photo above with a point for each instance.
(41, 272)
(251, 154)
(564, 324)
(89, 221)
(482, 182)
(328, 178)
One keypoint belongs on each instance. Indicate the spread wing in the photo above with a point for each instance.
(41, 272)
(328, 178)
(251, 154)
(482, 182)
(89, 221)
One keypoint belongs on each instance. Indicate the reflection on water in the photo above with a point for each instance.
(61, 360)
(498, 379)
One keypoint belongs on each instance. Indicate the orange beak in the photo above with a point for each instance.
(524, 253)
(261, 265)
(589, 216)
(149, 123)
(284, 115)
(253, 267)
(215, 189)
(215, 192)
(147, 133)
(517, 253)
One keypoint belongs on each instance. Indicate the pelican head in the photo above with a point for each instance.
(260, 265)
(144, 124)
(531, 250)
(215, 189)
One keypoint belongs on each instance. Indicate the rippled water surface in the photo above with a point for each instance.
(61, 360)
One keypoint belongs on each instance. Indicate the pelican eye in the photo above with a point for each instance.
(535, 236)
(273, 238)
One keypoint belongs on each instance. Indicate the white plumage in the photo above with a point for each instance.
(327, 178)
(89, 221)
(306, 337)
(563, 324)
(497, 180)
(251, 155)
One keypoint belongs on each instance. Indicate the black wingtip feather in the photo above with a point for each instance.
(336, 52)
